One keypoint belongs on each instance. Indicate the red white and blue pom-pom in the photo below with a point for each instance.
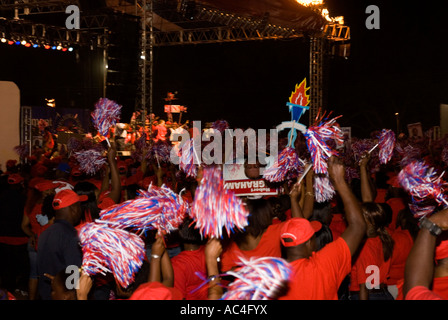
(220, 125)
(110, 250)
(156, 209)
(106, 114)
(323, 189)
(189, 159)
(258, 279)
(74, 145)
(159, 152)
(216, 208)
(90, 161)
(420, 211)
(422, 183)
(316, 137)
(287, 166)
(386, 145)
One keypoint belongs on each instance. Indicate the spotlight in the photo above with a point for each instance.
(18, 43)
(64, 49)
(59, 47)
(47, 47)
(23, 42)
(70, 49)
(4, 40)
(10, 42)
(53, 47)
(35, 45)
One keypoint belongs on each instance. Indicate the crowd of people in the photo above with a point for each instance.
(363, 244)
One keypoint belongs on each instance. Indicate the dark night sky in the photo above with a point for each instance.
(402, 67)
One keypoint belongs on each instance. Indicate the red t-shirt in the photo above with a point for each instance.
(371, 254)
(269, 246)
(402, 247)
(185, 265)
(319, 277)
(337, 225)
(396, 205)
(422, 293)
(440, 287)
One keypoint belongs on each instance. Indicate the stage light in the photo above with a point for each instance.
(18, 43)
(47, 47)
(27, 44)
(59, 47)
(70, 49)
(53, 47)
(64, 49)
(35, 45)
(309, 3)
(23, 42)
(4, 40)
(10, 42)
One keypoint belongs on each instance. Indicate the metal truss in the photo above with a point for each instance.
(214, 35)
(46, 34)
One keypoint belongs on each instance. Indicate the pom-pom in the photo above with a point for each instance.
(159, 152)
(156, 209)
(386, 145)
(111, 250)
(287, 166)
(90, 161)
(316, 137)
(189, 160)
(262, 278)
(74, 145)
(323, 189)
(106, 115)
(22, 150)
(215, 208)
(220, 125)
(422, 183)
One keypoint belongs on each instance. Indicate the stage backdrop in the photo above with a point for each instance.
(9, 121)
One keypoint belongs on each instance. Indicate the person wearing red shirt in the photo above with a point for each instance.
(403, 237)
(318, 275)
(419, 271)
(261, 237)
(189, 264)
(376, 251)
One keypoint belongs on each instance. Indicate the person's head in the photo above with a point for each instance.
(66, 204)
(298, 237)
(260, 216)
(90, 205)
(189, 234)
(377, 221)
(279, 206)
(252, 170)
(407, 221)
(322, 212)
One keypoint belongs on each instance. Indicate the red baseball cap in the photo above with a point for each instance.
(15, 178)
(66, 198)
(297, 231)
(156, 291)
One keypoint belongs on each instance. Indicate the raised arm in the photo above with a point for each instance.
(213, 250)
(368, 190)
(356, 225)
(115, 193)
(419, 269)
